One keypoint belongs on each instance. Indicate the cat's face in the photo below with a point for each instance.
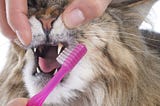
(48, 35)
(100, 36)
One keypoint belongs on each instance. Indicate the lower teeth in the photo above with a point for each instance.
(38, 71)
(56, 70)
(35, 49)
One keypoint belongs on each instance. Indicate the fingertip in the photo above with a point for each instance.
(25, 37)
(22, 28)
(19, 23)
(74, 18)
(81, 11)
(18, 102)
(8, 33)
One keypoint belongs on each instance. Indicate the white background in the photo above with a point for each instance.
(154, 16)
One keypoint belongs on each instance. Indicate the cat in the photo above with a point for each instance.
(119, 69)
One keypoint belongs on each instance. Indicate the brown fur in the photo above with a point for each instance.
(127, 72)
(11, 82)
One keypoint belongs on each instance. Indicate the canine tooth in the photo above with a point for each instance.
(35, 49)
(38, 71)
(60, 45)
(55, 71)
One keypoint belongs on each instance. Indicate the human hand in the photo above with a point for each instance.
(14, 22)
(18, 102)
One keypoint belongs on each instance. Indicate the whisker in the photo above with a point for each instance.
(136, 49)
(92, 33)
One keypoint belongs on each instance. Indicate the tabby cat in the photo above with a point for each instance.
(119, 69)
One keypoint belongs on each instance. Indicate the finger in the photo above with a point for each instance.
(4, 27)
(18, 102)
(17, 19)
(82, 11)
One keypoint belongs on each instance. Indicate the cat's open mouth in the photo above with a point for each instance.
(45, 58)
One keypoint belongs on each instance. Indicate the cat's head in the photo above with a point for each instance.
(50, 36)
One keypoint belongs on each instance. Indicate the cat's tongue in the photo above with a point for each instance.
(48, 62)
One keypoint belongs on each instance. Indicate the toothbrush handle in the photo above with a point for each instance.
(48, 88)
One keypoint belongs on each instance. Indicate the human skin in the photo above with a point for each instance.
(18, 102)
(15, 24)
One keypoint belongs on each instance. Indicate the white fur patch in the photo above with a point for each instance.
(78, 80)
(38, 36)
(30, 82)
(60, 33)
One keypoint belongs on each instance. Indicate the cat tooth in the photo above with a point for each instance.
(35, 49)
(38, 71)
(60, 45)
(55, 71)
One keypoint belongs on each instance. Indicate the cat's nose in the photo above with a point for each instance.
(47, 24)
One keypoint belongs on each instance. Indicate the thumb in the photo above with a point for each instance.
(82, 11)
(18, 20)
(18, 102)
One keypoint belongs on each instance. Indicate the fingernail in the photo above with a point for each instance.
(74, 18)
(23, 37)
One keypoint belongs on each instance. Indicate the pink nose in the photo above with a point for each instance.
(47, 23)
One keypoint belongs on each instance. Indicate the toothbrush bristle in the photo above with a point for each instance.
(61, 58)
(72, 56)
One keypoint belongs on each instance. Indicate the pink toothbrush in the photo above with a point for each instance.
(68, 59)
